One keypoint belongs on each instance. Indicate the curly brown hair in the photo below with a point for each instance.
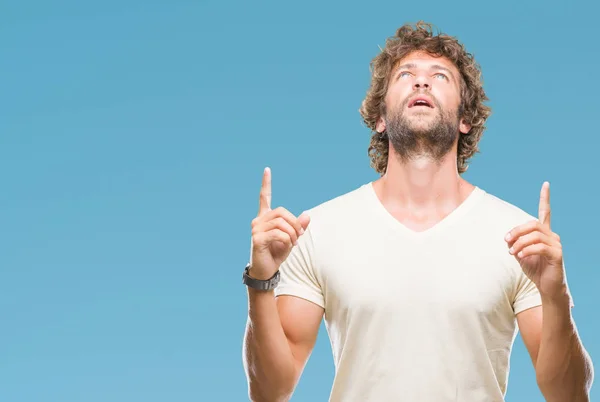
(472, 108)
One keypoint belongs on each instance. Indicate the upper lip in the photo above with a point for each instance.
(421, 98)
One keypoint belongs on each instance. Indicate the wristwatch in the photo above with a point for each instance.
(259, 284)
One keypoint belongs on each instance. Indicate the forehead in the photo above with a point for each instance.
(423, 59)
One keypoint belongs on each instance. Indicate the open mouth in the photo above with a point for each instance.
(421, 101)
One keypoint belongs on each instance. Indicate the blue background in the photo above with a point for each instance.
(134, 134)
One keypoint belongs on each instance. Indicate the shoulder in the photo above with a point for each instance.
(341, 206)
(497, 211)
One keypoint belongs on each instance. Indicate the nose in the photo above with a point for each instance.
(421, 82)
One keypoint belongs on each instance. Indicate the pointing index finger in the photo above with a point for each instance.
(264, 203)
(544, 209)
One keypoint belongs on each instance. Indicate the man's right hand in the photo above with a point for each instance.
(274, 233)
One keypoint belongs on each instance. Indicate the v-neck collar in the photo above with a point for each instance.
(475, 195)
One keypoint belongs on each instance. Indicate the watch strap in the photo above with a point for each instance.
(268, 284)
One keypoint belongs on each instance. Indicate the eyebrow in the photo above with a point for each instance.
(432, 67)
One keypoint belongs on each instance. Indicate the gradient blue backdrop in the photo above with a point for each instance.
(134, 134)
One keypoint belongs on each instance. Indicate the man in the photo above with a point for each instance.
(422, 277)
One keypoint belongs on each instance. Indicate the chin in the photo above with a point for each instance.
(422, 125)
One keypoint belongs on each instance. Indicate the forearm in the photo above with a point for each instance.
(563, 367)
(268, 359)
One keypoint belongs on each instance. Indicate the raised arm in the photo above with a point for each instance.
(280, 331)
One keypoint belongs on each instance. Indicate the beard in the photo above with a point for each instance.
(422, 134)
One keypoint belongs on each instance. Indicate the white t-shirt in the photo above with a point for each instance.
(413, 316)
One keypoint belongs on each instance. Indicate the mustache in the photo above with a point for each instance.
(421, 92)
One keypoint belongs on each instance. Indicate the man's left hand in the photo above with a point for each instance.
(539, 251)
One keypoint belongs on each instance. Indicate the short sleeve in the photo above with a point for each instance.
(298, 277)
(527, 294)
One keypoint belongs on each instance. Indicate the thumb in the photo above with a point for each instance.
(304, 220)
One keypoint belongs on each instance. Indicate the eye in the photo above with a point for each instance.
(404, 74)
(442, 76)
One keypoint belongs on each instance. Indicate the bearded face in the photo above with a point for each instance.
(422, 107)
(421, 126)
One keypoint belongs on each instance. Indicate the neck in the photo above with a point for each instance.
(422, 183)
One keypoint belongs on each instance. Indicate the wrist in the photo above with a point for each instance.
(558, 298)
(256, 282)
(258, 274)
(557, 305)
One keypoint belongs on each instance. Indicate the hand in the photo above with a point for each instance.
(274, 233)
(539, 251)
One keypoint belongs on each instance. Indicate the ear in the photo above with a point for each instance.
(464, 127)
(380, 126)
